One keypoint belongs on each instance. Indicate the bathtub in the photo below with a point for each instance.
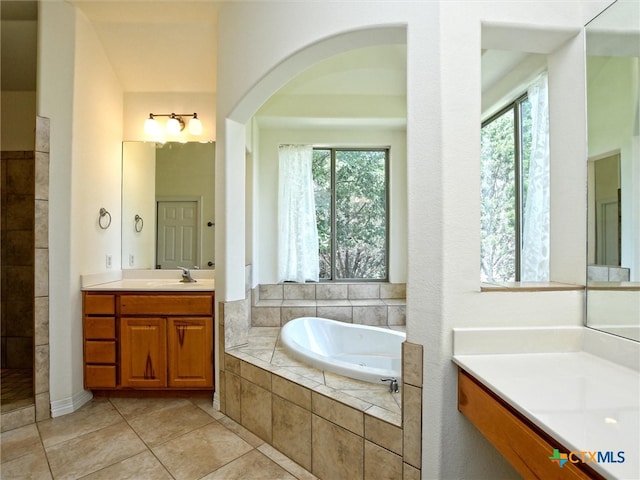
(357, 351)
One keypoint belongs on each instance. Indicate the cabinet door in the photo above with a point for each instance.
(143, 352)
(190, 345)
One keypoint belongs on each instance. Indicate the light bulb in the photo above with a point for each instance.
(151, 127)
(195, 125)
(173, 126)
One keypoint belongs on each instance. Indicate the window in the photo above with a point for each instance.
(350, 187)
(505, 155)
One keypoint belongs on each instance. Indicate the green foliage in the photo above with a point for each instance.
(499, 208)
(498, 214)
(360, 226)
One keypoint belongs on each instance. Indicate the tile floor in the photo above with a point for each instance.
(135, 438)
(16, 388)
(265, 350)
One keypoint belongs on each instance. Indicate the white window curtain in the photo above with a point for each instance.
(535, 232)
(297, 229)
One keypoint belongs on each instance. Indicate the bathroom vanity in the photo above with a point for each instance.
(550, 402)
(148, 335)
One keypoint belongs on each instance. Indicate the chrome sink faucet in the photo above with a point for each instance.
(186, 275)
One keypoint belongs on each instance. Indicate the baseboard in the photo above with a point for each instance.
(216, 401)
(70, 405)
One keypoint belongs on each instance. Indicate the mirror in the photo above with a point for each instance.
(168, 205)
(613, 109)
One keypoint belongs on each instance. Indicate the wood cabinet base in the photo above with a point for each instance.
(163, 393)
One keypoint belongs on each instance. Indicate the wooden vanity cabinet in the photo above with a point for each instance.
(99, 340)
(143, 347)
(164, 341)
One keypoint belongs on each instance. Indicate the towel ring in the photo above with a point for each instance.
(139, 223)
(104, 213)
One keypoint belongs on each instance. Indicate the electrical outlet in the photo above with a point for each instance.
(132, 260)
(109, 262)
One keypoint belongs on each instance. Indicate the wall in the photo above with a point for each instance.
(79, 92)
(444, 43)
(18, 113)
(18, 97)
(265, 192)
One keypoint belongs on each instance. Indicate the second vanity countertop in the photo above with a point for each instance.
(583, 401)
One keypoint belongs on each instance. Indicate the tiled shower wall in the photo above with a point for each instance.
(18, 189)
(34, 318)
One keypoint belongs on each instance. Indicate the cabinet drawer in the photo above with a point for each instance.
(166, 305)
(100, 352)
(100, 376)
(524, 447)
(99, 304)
(100, 327)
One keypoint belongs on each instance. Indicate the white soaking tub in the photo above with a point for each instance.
(357, 351)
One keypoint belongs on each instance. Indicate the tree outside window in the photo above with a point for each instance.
(350, 188)
(505, 154)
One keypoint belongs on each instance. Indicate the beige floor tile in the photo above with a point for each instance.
(19, 442)
(96, 414)
(93, 451)
(242, 432)
(162, 425)
(286, 463)
(33, 465)
(251, 466)
(143, 466)
(132, 407)
(201, 451)
(206, 404)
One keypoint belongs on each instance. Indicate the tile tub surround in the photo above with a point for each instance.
(299, 411)
(379, 304)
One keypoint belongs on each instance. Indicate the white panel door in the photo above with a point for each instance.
(177, 234)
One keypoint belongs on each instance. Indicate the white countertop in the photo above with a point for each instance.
(148, 280)
(585, 402)
(154, 285)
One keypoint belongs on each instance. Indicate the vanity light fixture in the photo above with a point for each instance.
(175, 124)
